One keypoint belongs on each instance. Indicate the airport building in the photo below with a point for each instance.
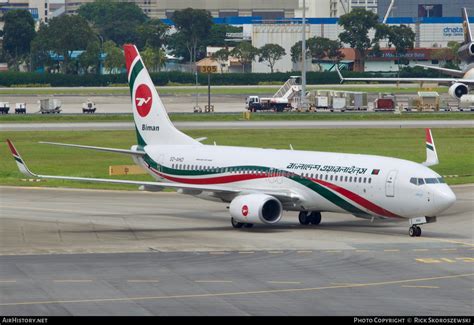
(41, 10)
(431, 34)
(424, 8)
(265, 10)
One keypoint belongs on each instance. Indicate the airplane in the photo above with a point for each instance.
(463, 80)
(259, 184)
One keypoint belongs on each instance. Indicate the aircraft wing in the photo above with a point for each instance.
(283, 195)
(396, 80)
(451, 72)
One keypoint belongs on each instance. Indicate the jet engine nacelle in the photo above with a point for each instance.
(466, 52)
(256, 208)
(458, 90)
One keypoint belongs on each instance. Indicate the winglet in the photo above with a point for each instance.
(339, 73)
(19, 161)
(431, 154)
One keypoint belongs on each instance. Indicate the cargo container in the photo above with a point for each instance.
(384, 104)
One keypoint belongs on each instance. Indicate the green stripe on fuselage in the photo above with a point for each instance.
(329, 195)
(321, 190)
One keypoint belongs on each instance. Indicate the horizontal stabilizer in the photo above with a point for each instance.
(124, 151)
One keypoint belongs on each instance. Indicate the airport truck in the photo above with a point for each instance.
(280, 101)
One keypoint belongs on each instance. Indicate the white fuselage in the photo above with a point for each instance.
(364, 185)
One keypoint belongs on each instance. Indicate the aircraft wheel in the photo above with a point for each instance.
(315, 218)
(418, 231)
(412, 231)
(304, 218)
(236, 224)
(248, 225)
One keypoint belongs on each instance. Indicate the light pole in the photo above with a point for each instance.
(303, 59)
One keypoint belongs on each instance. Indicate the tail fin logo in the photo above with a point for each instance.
(143, 100)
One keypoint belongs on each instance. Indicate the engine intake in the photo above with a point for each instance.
(458, 90)
(256, 208)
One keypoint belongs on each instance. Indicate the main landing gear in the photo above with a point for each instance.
(237, 224)
(307, 218)
(414, 231)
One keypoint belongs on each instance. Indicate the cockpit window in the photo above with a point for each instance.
(421, 181)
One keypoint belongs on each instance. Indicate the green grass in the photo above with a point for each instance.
(189, 117)
(455, 148)
(176, 90)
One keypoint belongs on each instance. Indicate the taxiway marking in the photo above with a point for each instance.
(236, 293)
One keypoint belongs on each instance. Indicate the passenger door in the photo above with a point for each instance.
(390, 183)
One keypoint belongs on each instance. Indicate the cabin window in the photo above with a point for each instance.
(350, 179)
(365, 180)
(326, 177)
(370, 180)
(335, 178)
(345, 180)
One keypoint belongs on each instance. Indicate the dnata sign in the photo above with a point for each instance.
(453, 31)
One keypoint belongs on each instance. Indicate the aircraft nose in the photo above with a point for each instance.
(444, 198)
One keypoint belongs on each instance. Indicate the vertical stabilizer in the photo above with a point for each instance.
(151, 119)
(466, 26)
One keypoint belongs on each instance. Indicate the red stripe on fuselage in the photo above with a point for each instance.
(358, 199)
(211, 180)
(244, 177)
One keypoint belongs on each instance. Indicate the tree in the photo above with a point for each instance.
(318, 48)
(401, 37)
(90, 59)
(271, 53)
(221, 57)
(193, 26)
(245, 53)
(63, 35)
(115, 20)
(114, 58)
(18, 32)
(153, 58)
(357, 25)
(152, 33)
(217, 35)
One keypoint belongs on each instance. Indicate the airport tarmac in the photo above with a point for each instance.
(91, 252)
(100, 126)
(180, 103)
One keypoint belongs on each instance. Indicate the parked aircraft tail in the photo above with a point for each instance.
(152, 123)
(467, 27)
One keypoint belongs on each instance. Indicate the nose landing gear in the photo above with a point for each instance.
(415, 230)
